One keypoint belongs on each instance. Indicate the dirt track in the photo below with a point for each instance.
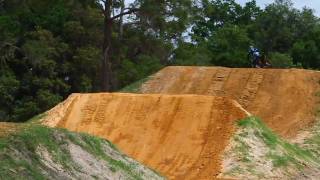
(284, 99)
(183, 137)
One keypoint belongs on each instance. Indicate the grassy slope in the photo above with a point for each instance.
(25, 162)
(312, 142)
(134, 87)
(257, 152)
(19, 158)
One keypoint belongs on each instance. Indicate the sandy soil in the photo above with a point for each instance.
(284, 99)
(181, 136)
(7, 128)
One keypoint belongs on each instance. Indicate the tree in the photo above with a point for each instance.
(189, 54)
(274, 27)
(109, 20)
(221, 27)
(49, 49)
(306, 50)
(213, 15)
(157, 16)
(279, 60)
(43, 51)
(229, 47)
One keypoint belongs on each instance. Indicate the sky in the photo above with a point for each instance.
(313, 4)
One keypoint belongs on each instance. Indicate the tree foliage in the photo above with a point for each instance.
(225, 30)
(49, 49)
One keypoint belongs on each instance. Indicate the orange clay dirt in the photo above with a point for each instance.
(181, 136)
(285, 99)
(184, 136)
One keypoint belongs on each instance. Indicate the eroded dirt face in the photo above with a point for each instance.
(183, 137)
(284, 99)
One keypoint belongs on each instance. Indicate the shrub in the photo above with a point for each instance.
(279, 60)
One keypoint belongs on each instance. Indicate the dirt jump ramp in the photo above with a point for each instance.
(285, 99)
(181, 136)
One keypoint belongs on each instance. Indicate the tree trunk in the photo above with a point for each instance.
(121, 20)
(106, 61)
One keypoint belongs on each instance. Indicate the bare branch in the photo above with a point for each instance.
(130, 11)
(101, 7)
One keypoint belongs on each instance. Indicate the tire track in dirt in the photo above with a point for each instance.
(174, 134)
(214, 131)
(89, 111)
(252, 87)
(218, 82)
(284, 98)
(163, 76)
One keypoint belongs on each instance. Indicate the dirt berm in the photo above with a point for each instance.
(285, 99)
(181, 136)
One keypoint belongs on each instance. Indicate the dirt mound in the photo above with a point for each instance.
(285, 99)
(181, 136)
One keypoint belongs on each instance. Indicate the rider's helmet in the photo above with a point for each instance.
(251, 48)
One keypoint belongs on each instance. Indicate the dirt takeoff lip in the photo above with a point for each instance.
(181, 136)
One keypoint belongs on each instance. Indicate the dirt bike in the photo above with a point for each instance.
(262, 62)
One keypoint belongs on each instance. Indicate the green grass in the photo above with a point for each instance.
(243, 149)
(313, 142)
(28, 139)
(269, 137)
(134, 87)
(36, 118)
(280, 161)
(9, 170)
(94, 145)
(27, 163)
(281, 153)
(291, 153)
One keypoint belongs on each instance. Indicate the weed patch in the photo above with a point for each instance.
(37, 118)
(95, 146)
(259, 152)
(20, 160)
(134, 87)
